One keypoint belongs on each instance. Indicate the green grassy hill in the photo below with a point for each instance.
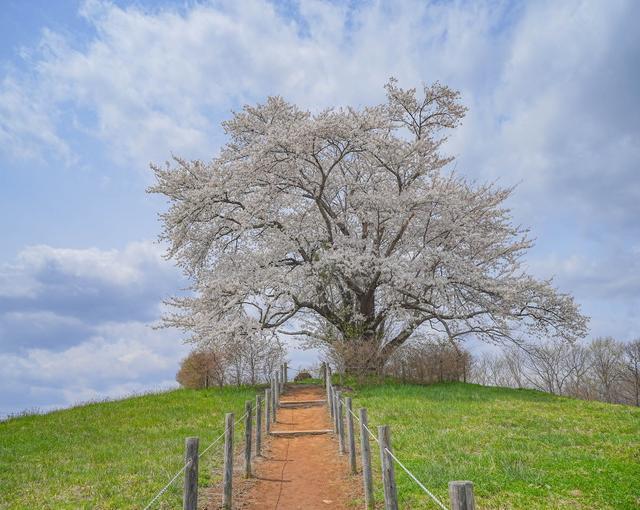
(523, 449)
(112, 454)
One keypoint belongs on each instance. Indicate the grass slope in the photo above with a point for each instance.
(112, 454)
(522, 449)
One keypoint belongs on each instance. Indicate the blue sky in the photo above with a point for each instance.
(91, 92)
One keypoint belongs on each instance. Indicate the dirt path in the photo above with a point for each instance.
(302, 471)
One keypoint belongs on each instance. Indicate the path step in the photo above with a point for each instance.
(295, 433)
(296, 403)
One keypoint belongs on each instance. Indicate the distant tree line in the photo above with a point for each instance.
(602, 369)
(241, 361)
(422, 360)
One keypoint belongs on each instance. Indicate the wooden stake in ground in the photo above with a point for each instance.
(267, 410)
(190, 493)
(331, 401)
(461, 494)
(247, 438)
(388, 472)
(335, 410)
(227, 477)
(365, 453)
(341, 439)
(274, 403)
(258, 425)
(351, 439)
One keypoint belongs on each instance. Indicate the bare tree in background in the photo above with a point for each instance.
(632, 369)
(578, 363)
(514, 364)
(247, 359)
(606, 362)
(547, 369)
(602, 369)
(260, 355)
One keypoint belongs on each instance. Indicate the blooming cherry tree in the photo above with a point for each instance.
(349, 221)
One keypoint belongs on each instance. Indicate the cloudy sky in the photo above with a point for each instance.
(91, 92)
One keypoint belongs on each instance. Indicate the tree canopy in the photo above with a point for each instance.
(350, 221)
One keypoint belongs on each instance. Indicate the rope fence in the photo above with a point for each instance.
(340, 409)
(188, 464)
(404, 468)
(252, 445)
(460, 492)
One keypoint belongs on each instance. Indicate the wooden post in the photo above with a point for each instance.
(274, 403)
(190, 492)
(341, 441)
(267, 410)
(273, 397)
(248, 408)
(286, 374)
(258, 425)
(365, 453)
(277, 389)
(330, 399)
(227, 477)
(351, 438)
(388, 472)
(461, 495)
(323, 373)
(334, 403)
(328, 388)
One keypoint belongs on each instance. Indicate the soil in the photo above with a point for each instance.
(300, 472)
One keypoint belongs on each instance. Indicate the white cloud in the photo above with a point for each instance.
(27, 123)
(117, 352)
(609, 276)
(548, 84)
(75, 324)
(554, 105)
(119, 359)
(153, 82)
(114, 267)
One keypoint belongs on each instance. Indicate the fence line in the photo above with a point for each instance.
(175, 477)
(281, 375)
(391, 454)
(461, 493)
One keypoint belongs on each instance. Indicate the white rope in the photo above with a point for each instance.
(163, 490)
(420, 484)
(373, 436)
(437, 501)
(220, 436)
